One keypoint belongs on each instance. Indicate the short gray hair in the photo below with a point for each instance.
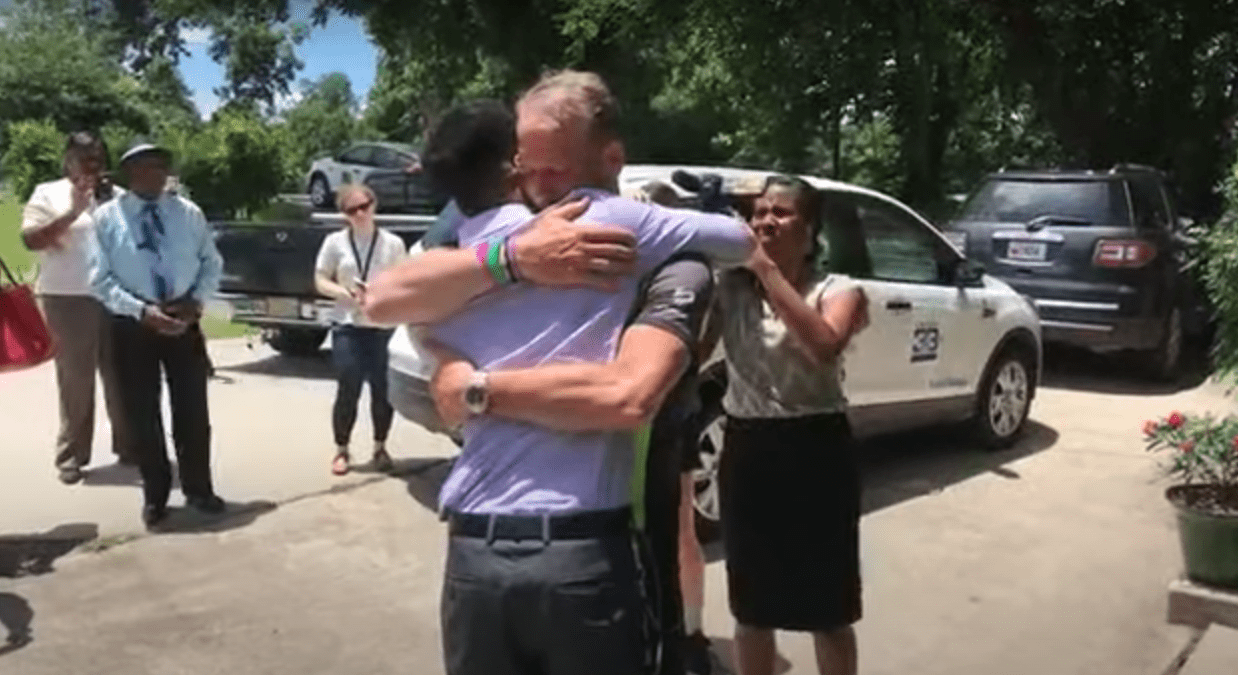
(580, 94)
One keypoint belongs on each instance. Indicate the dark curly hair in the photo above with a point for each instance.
(469, 152)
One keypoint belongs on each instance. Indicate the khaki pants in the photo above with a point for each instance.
(83, 330)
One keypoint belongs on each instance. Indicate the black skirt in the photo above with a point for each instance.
(790, 498)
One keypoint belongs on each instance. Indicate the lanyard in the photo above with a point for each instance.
(364, 270)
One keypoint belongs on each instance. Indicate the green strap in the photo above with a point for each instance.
(640, 447)
(494, 260)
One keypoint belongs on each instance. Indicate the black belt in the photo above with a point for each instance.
(547, 527)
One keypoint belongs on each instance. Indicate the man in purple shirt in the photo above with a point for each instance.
(512, 601)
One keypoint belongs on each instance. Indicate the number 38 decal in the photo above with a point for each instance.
(925, 342)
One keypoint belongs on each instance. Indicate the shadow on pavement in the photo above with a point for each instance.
(907, 466)
(723, 649)
(1119, 374)
(425, 478)
(185, 520)
(16, 615)
(121, 475)
(33, 554)
(303, 367)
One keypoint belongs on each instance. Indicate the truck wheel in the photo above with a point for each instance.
(320, 192)
(1165, 360)
(296, 341)
(1004, 399)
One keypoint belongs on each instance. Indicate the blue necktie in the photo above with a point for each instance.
(152, 235)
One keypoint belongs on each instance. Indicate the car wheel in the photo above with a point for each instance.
(296, 341)
(706, 503)
(1004, 399)
(320, 192)
(1167, 358)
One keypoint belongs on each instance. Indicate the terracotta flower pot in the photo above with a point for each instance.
(1208, 530)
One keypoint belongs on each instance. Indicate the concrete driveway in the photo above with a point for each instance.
(1050, 558)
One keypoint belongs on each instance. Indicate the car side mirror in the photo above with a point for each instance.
(968, 273)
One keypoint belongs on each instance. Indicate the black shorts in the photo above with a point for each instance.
(790, 498)
(690, 445)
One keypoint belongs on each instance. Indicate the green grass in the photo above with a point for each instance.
(216, 328)
(12, 251)
(21, 261)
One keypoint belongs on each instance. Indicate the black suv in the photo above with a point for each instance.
(1101, 254)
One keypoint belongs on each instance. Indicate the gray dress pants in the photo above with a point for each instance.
(83, 331)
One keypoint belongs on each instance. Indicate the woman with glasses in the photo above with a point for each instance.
(347, 260)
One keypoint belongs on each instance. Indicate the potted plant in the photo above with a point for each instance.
(1205, 462)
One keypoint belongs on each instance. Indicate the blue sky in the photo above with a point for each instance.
(340, 46)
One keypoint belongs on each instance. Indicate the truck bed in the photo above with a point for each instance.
(278, 259)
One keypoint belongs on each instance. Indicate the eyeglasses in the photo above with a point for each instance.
(354, 210)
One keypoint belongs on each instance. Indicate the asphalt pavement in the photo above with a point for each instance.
(1049, 558)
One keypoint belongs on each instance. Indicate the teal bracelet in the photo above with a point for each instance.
(495, 263)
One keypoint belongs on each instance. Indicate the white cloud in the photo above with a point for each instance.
(197, 36)
(286, 102)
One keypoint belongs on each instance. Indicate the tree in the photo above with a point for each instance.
(1148, 81)
(233, 166)
(33, 156)
(324, 121)
(54, 68)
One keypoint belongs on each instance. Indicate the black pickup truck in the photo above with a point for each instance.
(268, 278)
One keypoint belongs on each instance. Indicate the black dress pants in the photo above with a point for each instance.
(142, 356)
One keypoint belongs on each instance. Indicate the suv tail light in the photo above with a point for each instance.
(1129, 253)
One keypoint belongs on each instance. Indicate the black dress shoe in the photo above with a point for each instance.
(71, 475)
(154, 516)
(211, 504)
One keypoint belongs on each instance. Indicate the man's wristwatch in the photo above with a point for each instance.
(477, 393)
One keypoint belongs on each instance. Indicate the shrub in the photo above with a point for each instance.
(234, 165)
(34, 155)
(1221, 278)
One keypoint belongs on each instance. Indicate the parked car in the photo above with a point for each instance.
(1101, 254)
(404, 191)
(354, 164)
(946, 344)
(268, 276)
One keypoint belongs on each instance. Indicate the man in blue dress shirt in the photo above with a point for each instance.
(153, 267)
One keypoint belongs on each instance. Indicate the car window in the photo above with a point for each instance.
(1150, 210)
(1087, 202)
(389, 159)
(866, 237)
(362, 154)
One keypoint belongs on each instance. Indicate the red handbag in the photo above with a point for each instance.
(25, 339)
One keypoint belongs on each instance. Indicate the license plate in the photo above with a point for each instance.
(1027, 250)
(249, 306)
(285, 308)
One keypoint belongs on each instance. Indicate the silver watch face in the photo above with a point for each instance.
(474, 396)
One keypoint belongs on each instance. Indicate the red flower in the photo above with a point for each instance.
(1176, 420)
(1236, 444)
(1187, 446)
(1152, 426)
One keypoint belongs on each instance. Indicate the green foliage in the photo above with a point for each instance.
(259, 59)
(323, 122)
(1204, 449)
(233, 166)
(1221, 278)
(34, 156)
(54, 68)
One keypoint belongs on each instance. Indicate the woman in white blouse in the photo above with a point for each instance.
(787, 469)
(348, 259)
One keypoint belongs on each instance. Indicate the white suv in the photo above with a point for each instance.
(946, 344)
(354, 165)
